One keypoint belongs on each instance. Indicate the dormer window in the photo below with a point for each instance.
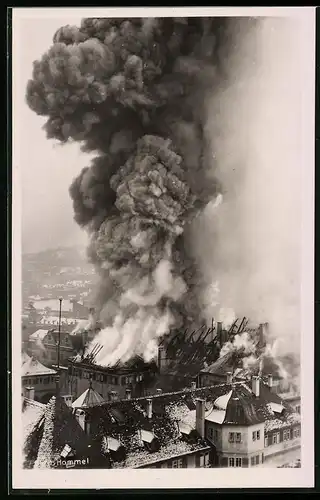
(149, 440)
(67, 451)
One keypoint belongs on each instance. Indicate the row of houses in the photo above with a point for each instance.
(233, 424)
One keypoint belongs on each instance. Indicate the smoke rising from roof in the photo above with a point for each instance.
(135, 92)
(189, 168)
(252, 248)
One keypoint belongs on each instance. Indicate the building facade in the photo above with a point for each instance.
(38, 381)
(110, 383)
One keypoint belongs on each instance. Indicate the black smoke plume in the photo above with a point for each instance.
(134, 91)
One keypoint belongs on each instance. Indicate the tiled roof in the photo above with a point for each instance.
(34, 367)
(174, 412)
(32, 412)
(90, 397)
(124, 432)
(60, 428)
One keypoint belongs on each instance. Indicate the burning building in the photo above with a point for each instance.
(113, 382)
(134, 91)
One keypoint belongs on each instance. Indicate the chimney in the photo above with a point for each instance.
(193, 385)
(57, 380)
(128, 394)
(159, 391)
(219, 332)
(29, 392)
(149, 409)
(161, 357)
(256, 386)
(113, 395)
(200, 416)
(263, 333)
(68, 399)
(270, 381)
(229, 377)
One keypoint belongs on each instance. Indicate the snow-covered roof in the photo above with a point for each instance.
(38, 335)
(216, 416)
(53, 304)
(276, 407)
(89, 397)
(221, 402)
(54, 320)
(34, 367)
(147, 436)
(112, 443)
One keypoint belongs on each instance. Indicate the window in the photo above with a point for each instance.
(286, 435)
(210, 433)
(238, 437)
(216, 435)
(177, 464)
(296, 432)
(276, 438)
(235, 462)
(298, 409)
(256, 436)
(255, 460)
(266, 441)
(231, 438)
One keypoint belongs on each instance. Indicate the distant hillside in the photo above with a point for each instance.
(60, 256)
(63, 270)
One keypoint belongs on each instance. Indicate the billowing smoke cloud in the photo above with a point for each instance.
(251, 247)
(136, 92)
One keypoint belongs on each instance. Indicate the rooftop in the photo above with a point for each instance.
(39, 335)
(57, 435)
(53, 304)
(90, 397)
(138, 432)
(174, 416)
(34, 367)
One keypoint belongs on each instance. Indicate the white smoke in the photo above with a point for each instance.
(252, 239)
(139, 333)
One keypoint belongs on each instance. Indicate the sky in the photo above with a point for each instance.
(46, 168)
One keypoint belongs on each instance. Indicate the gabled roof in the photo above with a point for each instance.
(235, 403)
(60, 428)
(174, 417)
(34, 367)
(39, 335)
(32, 412)
(89, 397)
